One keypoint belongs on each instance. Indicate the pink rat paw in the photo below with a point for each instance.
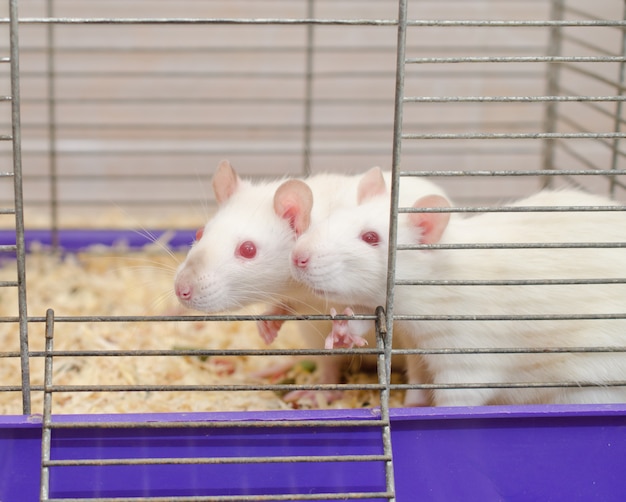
(268, 329)
(342, 334)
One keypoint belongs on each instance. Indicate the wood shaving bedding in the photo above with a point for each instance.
(119, 282)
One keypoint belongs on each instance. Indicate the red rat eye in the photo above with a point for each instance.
(371, 238)
(246, 250)
(199, 233)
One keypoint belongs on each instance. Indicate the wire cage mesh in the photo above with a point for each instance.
(119, 111)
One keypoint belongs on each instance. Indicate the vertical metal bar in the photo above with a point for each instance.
(396, 159)
(383, 341)
(617, 124)
(308, 91)
(46, 438)
(19, 206)
(387, 339)
(52, 132)
(552, 78)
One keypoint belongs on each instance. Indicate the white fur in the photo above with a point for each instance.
(347, 270)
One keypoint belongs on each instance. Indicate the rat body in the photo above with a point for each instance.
(242, 254)
(334, 259)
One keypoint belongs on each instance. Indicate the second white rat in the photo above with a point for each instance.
(345, 260)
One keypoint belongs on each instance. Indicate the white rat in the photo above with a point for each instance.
(345, 259)
(241, 256)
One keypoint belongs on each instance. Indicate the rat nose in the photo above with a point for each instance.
(301, 260)
(183, 290)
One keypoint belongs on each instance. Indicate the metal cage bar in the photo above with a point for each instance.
(19, 206)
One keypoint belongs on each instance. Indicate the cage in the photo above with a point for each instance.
(116, 114)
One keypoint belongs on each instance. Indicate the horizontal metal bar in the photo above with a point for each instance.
(203, 21)
(518, 136)
(211, 424)
(509, 350)
(511, 99)
(315, 21)
(511, 282)
(211, 388)
(520, 317)
(512, 23)
(217, 460)
(322, 74)
(292, 497)
(591, 105)
(535, 172)
(191, 318)
(196, 352)
(517, 209)
(508, 385)
(516, 59)
(516, 245)
(304, 352)
(227, 318)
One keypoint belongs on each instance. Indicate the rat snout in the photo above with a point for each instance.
(300, 259)
(183, 289)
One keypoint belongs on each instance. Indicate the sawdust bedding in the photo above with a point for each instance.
(120, 282)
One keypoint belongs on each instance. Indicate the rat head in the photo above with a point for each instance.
(239, 256)
(344, 258)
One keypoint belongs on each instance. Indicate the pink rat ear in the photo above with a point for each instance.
(371, 184)
(225, 182)
(431, 225)
(293, 202)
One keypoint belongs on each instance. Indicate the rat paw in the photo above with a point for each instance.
(343, 335)
(268, 329)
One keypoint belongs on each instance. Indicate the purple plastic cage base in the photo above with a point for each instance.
(512, 453)
(80, 240)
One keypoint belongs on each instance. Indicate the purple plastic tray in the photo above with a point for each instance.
(77, 240)
(568, 453)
